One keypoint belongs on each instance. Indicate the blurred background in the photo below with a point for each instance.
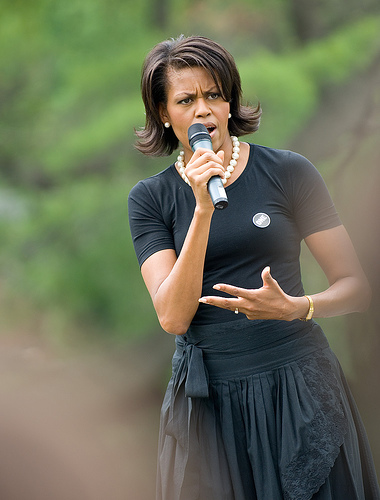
(83, 361)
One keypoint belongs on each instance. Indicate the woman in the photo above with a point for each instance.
(257, 406)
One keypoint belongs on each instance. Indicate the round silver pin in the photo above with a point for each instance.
(261, 220)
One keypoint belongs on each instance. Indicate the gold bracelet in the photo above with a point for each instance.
(310, 312)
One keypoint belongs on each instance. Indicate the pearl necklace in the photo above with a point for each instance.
(229, 170)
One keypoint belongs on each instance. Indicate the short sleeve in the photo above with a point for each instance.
(313, 208)
(149, 232)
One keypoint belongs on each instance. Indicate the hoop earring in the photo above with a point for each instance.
(167, 125)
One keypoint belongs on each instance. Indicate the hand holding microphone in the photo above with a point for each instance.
(200, 138)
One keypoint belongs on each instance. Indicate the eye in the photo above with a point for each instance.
(187, 100)
(214, 96)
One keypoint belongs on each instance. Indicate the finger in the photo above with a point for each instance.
(221, 302)
(199, 179)
(206, 155)
(232, 290)
(204, 170)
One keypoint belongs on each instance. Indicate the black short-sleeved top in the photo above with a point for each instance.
(279, 199)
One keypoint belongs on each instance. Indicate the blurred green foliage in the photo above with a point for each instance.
(70, 100)
(289, 86)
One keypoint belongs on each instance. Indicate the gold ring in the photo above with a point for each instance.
(237, 310)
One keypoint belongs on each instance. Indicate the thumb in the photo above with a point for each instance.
(266, 277)
(221, 155)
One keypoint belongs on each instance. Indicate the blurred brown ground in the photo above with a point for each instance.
(78, 427)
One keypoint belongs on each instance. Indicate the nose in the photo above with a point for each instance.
(202, 108)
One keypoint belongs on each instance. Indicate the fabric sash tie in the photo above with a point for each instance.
(196, 384)
(191, 378)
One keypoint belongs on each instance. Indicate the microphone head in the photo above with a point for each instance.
(198, 132)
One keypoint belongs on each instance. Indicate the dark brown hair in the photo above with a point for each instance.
(154, 138)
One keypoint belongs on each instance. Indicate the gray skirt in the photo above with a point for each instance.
(261, 410)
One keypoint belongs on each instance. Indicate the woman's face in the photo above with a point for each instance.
(193, 97)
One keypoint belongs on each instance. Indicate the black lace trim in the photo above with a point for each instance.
(308, 470)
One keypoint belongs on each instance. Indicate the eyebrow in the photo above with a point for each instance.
(212, 90)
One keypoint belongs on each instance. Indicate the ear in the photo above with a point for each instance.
(163, 113)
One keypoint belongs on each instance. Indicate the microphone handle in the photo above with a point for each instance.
(215, 185)
(200, 138)
(217, 192)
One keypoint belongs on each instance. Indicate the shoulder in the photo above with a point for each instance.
(153, 185)
(279, 157)
(283, 163)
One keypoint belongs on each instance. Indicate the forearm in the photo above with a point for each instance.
(349, 290)
(176, 299)
(347, 295)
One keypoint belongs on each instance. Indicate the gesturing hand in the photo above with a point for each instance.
(267, 302)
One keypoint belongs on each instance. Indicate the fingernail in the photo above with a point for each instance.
(216, 287)
(202, 300)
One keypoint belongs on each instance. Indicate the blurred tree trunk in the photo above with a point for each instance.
(160, 14)
(305, 16)
(364, 332)
(364, 329)
(344, 134)
(315, 19)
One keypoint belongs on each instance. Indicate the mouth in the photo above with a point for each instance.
(210, 128)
